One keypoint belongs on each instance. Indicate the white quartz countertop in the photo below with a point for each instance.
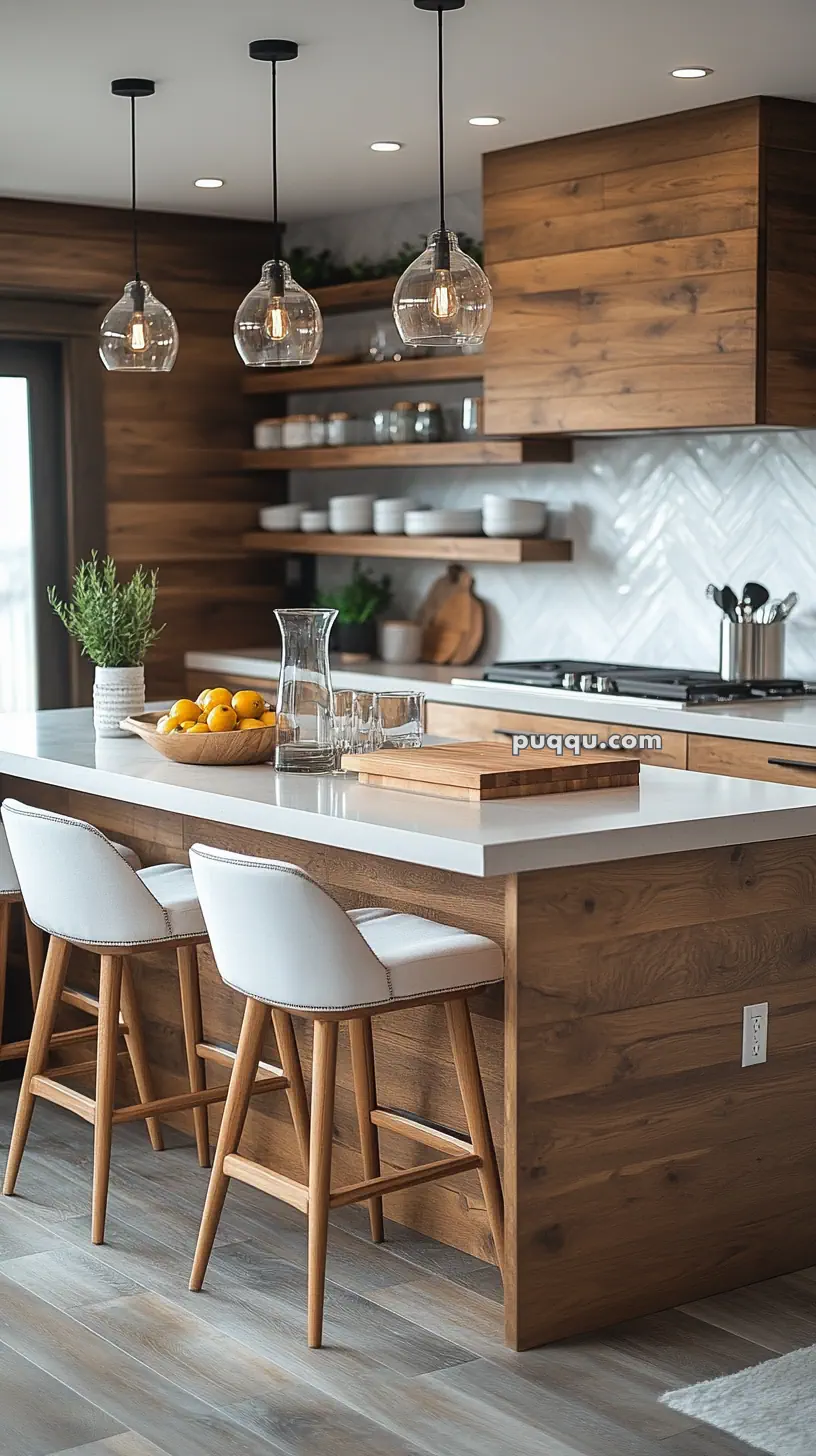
(791, 721)
(669, 812)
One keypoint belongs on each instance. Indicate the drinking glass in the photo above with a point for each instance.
(305, 709)
(354, 722)
(398, 719)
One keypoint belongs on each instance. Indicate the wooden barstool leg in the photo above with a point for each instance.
(110, 987)
(365, 1095)
(137, 1051)
(193, 1034)
(5, 919)
(473, 1098)
(296, 1091)
(256, 1020)
(324, 1071)
(45, 1015)
(35, 949)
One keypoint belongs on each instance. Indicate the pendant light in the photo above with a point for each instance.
(278, 324)
(444, 297)
(138, 334)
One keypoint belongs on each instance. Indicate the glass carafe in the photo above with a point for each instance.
(305, 706)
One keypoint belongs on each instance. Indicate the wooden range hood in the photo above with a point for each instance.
(659, 275)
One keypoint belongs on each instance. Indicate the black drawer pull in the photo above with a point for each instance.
(791, 763)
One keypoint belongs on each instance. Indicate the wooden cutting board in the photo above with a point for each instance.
(452, 619)
(482, 771)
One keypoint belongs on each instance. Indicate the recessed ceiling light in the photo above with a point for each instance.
(209, 182)
(386, 146)
(692, 73)
(485, 120)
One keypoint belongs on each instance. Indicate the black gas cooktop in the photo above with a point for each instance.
(669, 684)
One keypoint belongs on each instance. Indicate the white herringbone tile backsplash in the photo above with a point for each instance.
(653, 518)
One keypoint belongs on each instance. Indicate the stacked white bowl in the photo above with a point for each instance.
(443, 523)
(313, 521)
(351, 515)
(389, 516)
(503, 516)
(282, 518)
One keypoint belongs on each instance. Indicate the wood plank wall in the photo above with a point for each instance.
(788, 163)
(624, 266)
(176, 497)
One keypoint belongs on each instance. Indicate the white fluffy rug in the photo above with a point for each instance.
(770, 1406)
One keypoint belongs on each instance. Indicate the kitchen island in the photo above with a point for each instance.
(643, 1166)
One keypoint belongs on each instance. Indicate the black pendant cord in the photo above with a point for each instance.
(133, 189)
(442, 252)
(277, 271)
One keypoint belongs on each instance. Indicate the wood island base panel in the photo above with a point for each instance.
(643, 1166)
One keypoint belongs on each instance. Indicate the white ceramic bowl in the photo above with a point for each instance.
(443, 523)
(282, 518)
(389, 516)
(313, 521)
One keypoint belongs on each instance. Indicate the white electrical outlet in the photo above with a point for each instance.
(755, 1034)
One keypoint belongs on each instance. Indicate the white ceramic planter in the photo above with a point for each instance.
(118, 693)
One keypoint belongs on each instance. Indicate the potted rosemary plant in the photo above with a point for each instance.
(358, 603)
(112, 621)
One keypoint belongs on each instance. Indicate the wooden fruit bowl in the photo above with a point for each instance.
(216, 750)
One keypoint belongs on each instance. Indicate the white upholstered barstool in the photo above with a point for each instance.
(333, 966)
(82, 892)
(11, 895)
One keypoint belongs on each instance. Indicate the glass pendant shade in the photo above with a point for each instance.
(278, 323)
(139, 334)
(444, 298)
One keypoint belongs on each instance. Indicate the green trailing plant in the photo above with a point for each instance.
(361, 599)
(323, 269)
(111, 620)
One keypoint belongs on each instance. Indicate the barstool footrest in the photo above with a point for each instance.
(419, 1131)
(14, 1049)
(289, 1191)
(87, 1001)
(78, 1069)
(66, 1097)
(394, 1182)
(211, 1051)
(190, 1099)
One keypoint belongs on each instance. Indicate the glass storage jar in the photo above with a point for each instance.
(402, 422)
(429, 427)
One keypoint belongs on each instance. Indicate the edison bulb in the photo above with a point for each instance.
(279, 324)
(139, 333)
(444, 298)
(277, 319)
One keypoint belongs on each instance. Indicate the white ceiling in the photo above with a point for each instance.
(366, 72)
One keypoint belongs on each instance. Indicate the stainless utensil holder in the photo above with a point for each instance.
(751, 650)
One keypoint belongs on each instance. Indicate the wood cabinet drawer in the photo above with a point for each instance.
(450, 720)
(743, 758)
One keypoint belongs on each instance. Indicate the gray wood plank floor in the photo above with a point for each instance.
(104, 1352)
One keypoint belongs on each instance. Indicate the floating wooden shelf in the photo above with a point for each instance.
(424, 548)
(346, 297)
(364, 375)
(454, 452)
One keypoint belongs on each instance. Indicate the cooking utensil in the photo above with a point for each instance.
(754, 595)
(452, 619)
(786, 606)
(729, 603)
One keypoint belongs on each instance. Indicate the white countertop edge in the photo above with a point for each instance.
(408, 845)
(787, 721)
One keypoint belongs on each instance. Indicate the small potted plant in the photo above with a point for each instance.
(112, 621)
(358, 603)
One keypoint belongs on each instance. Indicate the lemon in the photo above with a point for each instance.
(188, 723)
(167, 724)
(197, 728)
(248, 704)
(268, 718)
(217, 698)
(202, 697)
(221, 718)
(250, 723)
(185, 710)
